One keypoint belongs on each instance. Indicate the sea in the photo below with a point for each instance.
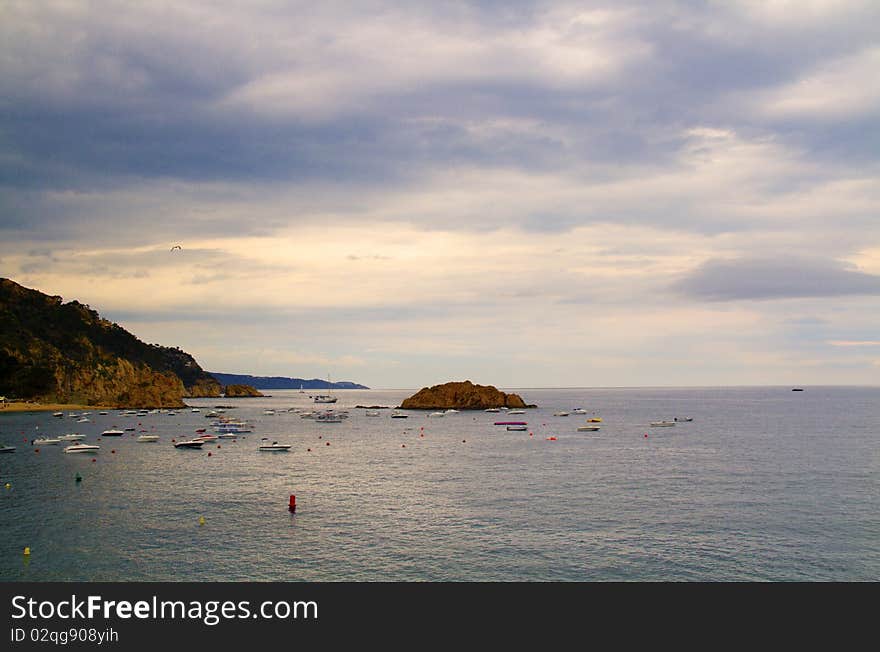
(764, 484)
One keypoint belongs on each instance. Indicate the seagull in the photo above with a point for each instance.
(176, 247)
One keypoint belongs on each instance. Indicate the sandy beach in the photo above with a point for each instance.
(24, 406)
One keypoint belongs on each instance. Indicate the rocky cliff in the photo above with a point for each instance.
(461, 396)
(237, 391)
(65, 352)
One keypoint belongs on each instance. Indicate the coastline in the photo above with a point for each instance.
(22, 406)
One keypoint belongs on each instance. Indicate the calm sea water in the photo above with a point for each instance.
(764, 484)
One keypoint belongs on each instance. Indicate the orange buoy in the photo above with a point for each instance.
(94, 460)
(292, 504)
(218, 445)
(328, 443)
(464, 441)
(113, 451)
(403, 445)
(36, 450)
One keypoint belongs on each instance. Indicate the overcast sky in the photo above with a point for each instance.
(523, 194)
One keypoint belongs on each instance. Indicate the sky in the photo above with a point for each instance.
(523, 194)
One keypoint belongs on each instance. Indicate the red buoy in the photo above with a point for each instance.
(308, 450)
(113, 451)
(209, 454)
(403, 445)
(36, 450)
(328, 443)
(292, 504)
(94, 460)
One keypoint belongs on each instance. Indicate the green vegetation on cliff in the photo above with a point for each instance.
(66, 352)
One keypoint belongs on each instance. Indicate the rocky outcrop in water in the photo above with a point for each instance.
(461, 396)
(239, 391)
(67, 353)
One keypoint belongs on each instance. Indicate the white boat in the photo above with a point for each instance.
(274, 446)
(662, 424)
(328, 417)
(399, 415)
(437, 414)
(325, 398)
(685, 419)
(194, 443)
(46, 441)
(373, 413)
(195, 410)
(71, 437)
(269, 412)
(560, 414)
(228, 435)
(148, 438)
(491, 410)
(588, 428)
(82, 448)
(113, 433)
(207, 437)
(58, 414)
(519, 428)
(517, 412)
(7, 449)
(84, 420)
(103, 413)
(451, 411)
(579, 411)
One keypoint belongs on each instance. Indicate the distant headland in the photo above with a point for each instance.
(281, 382)
(463, 395)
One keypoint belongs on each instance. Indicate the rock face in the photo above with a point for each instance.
(66, 353)
(461, 396)
(237, 391)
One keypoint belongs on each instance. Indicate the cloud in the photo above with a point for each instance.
(777, 278)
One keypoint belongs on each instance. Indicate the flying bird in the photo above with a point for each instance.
(176, 247)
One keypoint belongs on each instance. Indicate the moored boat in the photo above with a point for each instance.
(113, 433)
(662, 424)
(47, 441)
(72, 437)
(518, 428)
(193, 443)
(274, 446)
(7, 449)
(82, 448)
(588, 428)
(148, 438)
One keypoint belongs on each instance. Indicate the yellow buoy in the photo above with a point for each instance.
(201, 520)
(27, 552)
(8, 486)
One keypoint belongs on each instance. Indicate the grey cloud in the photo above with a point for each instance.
(776, 278)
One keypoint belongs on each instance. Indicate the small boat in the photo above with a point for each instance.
(71, 437)
(84, 420)
(103, 414)
(113, 433)
(579, 411)
(437, 414)
(560, 414)
(193, 443)
(58, 414)
(797, 389)
(274, 446)
(7, 449)
(399, 415)
(491, 410)
(662, 424)
(451, 411)
(207, 437)
(82, 448)
(328, 417)
(588, 428)
(195, 410)
(373, 413)
(683, 419)
(517, 412)
(520, 428)
(129, 430)
(594, 420)
(269, 412)
(148, 438)
(47, 441)
(227, 435)
(511, 423)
